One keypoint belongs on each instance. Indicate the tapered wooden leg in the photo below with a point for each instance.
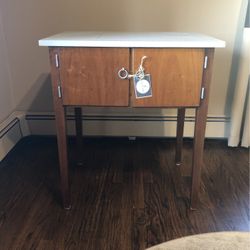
(179, 135)
(63, 155)
(199, 133)
(78, 125)
(60, 129)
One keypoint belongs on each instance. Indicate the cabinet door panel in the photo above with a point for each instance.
(89, 76)
(176, 76)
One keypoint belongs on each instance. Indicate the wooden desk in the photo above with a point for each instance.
(84, 70)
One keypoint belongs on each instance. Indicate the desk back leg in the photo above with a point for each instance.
(78, 126)
(199, 133)
(179, 135)
(61, 131)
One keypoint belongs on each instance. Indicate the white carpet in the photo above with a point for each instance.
(208, 241)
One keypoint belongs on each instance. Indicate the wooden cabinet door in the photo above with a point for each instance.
(176, 76)
(89, 77)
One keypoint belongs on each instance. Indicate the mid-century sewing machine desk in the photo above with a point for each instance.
(91, 69)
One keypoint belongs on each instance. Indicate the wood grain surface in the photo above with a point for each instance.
(61, 131)
(179, 135)
(128, 196)
(89, 76)
(176, 76)
(79, 137)
(199, 131)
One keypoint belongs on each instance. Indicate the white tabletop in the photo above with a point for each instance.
(132, 40)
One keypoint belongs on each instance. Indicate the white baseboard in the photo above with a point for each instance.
(20, 124)
(12, 130)
(127, 125)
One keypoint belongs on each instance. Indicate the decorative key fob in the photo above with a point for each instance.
(142, 86)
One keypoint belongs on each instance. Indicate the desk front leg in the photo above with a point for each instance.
(199, 136)
(60, 128)
(63, 154)
(199, 133)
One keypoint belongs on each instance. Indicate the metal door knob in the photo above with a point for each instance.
(123, 73)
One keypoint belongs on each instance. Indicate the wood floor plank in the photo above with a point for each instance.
(128, 195)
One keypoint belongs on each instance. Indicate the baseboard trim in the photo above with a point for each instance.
(69, 117)
(12, 129)
(9, 126)
(127, 125)
(19, 124)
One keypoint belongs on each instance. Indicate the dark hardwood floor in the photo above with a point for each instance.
(127, 196)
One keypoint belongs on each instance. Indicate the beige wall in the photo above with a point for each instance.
(24, 22)
(216, 18)
(6, 95)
